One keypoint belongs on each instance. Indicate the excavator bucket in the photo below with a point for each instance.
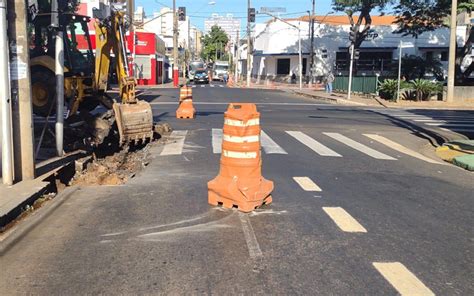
(134, 122)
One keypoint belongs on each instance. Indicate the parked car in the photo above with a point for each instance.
(200, 76)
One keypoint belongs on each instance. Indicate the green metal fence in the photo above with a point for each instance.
(360, 84)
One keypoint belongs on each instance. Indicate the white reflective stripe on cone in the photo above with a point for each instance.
(237, 139)
(234, 154)
(250, 122)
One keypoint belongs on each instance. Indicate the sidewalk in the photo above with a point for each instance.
(459, 153)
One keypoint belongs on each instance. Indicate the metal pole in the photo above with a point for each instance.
(312, 45)
(249, 48)
(349, 88)
(237, 57)
(175, 47)
(452, 52)
(5, 101)
(300, 57)
(59, 69)
(399, 72)
(22, 115)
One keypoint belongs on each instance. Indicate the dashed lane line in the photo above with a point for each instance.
(395, 146)
(344, 220)
(307, 184)
(313, 144)
(402, 279)
(175, 147)
(359, 147)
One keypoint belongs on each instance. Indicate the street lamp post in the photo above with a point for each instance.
(452, 52)
(175, 47)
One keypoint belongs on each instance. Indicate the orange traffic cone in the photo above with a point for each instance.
(186, 108)
(240, 183)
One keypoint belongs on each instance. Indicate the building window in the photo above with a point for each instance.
(444, 56)
(429, 55)
(283, 66)
(305, 60)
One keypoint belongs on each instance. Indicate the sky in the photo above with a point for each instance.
(199, 10)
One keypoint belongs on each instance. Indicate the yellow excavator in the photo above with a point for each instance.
(86, 76)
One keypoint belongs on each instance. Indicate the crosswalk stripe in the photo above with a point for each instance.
(402, 279)
(344, 220)
(216, 140)
(459, 129)
(270, 146)
(202, 86)
(307, 184)
(221, 85)
(176, 146)
(193, 86)
(212, 85)
(359, 147)
(450, 124)
(395, 146)
(313, 144)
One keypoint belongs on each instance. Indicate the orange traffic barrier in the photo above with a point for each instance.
(185, 108)
(240, 183)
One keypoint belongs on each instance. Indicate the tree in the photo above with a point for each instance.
(416, 67)
(416, 17)
(363, 10)
(214, 44)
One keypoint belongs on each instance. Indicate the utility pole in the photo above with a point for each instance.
(452, 52)
(20, 82)
(312, 45)
(5, 102)
(175, 47)
(236, 62)
(249, 48)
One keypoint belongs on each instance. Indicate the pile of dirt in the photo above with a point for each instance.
(115, 169)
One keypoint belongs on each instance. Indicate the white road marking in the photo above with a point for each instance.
(395, 146)
(270, 146)
(221, 85)
(402, 279)
(313, 144)
(202, 85)
(250, 238)
(450, 124)
(212, 85)
(307, 184)
(459, 129)
(193, 86)
(344, 220)
(359, 147)
(177, 144)
(216, 140)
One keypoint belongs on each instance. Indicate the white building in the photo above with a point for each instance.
(227, 23)
(276, 47)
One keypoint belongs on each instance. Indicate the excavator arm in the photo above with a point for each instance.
(134, 117)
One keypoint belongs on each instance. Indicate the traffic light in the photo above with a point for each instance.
(181, 14)
(356, 54)
(251, 15)
(353, 33)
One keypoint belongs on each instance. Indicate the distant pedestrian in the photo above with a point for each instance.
(293, 78)
(225, 77)
(329, 81)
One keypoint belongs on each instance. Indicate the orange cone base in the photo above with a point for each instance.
(185, 112)
(243, 198)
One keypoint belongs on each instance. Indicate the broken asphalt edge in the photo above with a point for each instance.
(17, 232)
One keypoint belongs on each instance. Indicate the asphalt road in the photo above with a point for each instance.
(388, 218)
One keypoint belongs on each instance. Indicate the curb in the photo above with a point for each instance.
(16, 233)
(337, 101)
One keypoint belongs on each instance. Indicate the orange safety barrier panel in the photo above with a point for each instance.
(240, 183)
(185, 108)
